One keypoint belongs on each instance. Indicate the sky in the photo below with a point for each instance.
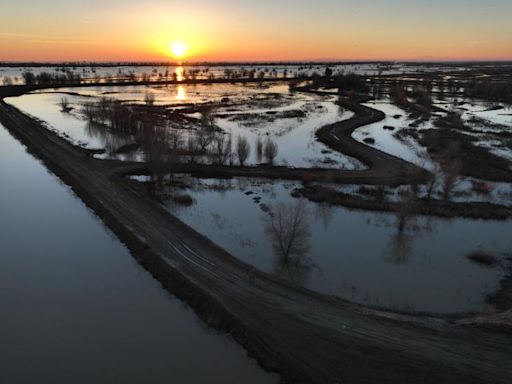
(252, 30)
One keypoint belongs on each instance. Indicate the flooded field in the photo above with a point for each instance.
(178, 72)
(359, 256)
(256, 113)
(385, 138)
(76, 307)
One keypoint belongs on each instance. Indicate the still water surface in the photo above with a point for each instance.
(75, 307)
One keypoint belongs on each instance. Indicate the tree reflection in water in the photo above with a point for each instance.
(400, 248)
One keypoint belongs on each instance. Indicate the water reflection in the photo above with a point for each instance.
(179, 74)
(418, 268)
(297, 147)
(295, 272)
(181, 94)
(72, 296)
(324, 212)
(400, 248)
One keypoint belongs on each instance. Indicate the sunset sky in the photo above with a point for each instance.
(245, 30)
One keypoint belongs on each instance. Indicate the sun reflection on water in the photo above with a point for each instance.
(181, 93)
(180, 73)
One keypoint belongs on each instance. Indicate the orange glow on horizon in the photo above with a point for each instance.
(193, 33)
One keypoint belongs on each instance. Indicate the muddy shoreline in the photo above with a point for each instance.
(306, 337)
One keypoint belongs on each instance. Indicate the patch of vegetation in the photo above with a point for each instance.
(378, 193)
(448, 146)
(489, 89)
(46, 78)
(350, 83)
(451, 120)
(418, 101)
(423, 206)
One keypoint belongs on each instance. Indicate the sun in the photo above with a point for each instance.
(178, 49)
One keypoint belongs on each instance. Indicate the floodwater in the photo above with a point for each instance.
(171, 72)
(386, 140)
(261, 106)
(295, 137)
(357, 255)
(75, 307)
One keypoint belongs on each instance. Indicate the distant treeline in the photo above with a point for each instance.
(246, 63)
(46, 78)
(187, 64)
(349, 82)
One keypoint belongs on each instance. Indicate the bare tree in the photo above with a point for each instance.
(243, 150)
(154, 141)
(193, 147)
(270, 151)
(64, 104)
(433, 181)
(451, 172)
(259, 148)
(174, 138)
(205, 138)
(221, 148)
(289, 227)
(91, 112)
(29, 78)
(208, 118)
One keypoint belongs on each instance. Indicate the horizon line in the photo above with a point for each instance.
(246, 62)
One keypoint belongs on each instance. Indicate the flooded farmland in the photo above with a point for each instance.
(76, 307)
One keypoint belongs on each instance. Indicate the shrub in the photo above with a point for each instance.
(243, 150)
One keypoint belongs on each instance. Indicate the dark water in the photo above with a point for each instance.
(76, 308)
(357, 255)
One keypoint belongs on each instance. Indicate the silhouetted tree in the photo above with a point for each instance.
(270, 151)
(221, 148)
(208, 118)
(29, 78)
(243, 150)
(451, 173)
(64, 105)
(259, 148)
(289, 227)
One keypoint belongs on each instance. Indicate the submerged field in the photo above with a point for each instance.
(363, 256)
(68, 284)
(302, 214)
(254, 112)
